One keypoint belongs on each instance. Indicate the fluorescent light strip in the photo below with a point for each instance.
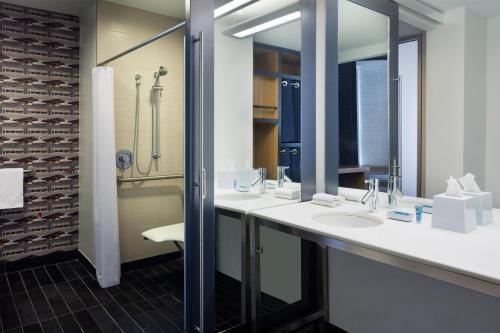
(268, 25)
(231, 5)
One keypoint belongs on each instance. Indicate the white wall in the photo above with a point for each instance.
(493, 110)
(475, 96)
(445, 102)
(233, 89)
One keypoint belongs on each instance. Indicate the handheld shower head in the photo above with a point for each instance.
(162, 71)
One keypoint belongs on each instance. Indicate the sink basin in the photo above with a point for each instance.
(237, 196)
(348, 220)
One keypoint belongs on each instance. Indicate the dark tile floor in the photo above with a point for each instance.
(65, 297)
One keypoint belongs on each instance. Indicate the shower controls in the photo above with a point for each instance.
(124, 159)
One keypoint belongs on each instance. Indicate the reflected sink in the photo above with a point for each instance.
(347, 219)
(237, 196)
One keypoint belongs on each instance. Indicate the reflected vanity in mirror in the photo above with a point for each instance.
(258, 148)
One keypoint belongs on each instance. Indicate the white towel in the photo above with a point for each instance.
(11, 188)
(287, 193)
(328, 197)
(326, 203)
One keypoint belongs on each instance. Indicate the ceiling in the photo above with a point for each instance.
(486, 8)
(368, 27)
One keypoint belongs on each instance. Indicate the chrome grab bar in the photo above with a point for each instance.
(121, 180)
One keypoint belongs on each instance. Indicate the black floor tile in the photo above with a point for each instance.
(51, 326)
(8, 313)
(79, 269)
(140, 317)
(144, 306)
(55, 273)
(165, 324)
(15, 330)
(4, 285)
(67, 271)
(70, 297)
(25, 309)
(84, 293)
(34, 328)
(29, 279)
(121, 318)
(41, 305)
(15, 282)
(94, 287)
(55, 300)
(121, 299)
(69, 324)
(103, 319)
(65, 297)
(42, 276)
(86, 322)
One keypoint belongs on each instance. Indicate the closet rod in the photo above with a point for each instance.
(146, 42)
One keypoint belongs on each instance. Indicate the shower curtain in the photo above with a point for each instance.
(107, 242)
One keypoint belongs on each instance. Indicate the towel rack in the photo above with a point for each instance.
(120, 179)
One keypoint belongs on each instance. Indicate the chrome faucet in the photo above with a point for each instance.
(261, 177)
(282, 178)
(371, 196)
(394, 185)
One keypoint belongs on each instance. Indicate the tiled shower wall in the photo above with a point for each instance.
(39, 128)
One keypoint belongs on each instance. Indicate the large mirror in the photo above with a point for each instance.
(257, 150)
(367, 111)
(363, 94)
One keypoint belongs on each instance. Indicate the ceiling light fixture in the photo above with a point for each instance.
(268, 25)
(229, 7)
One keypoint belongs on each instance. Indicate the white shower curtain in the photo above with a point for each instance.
(107, 241)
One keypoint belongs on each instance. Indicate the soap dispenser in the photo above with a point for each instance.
(394, 185)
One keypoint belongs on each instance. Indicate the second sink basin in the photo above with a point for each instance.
(347, 219)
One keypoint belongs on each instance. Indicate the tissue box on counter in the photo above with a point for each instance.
(457, 214)
(484, 207)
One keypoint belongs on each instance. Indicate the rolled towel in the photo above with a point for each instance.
(295, 186)
(287, 193)
(326, 203)
(327, 197)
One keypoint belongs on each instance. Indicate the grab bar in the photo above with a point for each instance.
(120, 180)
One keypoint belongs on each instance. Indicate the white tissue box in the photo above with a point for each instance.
(454, 213)
(484, 207)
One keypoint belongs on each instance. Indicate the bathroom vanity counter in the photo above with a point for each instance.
(469, 260)
(246, 202)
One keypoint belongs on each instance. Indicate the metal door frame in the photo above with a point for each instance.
(199, 211)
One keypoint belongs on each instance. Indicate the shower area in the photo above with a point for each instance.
(149, 112)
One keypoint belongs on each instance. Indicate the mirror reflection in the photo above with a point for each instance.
(363, 58)
(257, 52)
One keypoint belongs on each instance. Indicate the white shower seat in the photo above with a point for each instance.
(169, 233)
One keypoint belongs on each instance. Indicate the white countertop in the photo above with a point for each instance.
(474, 254)
(266, 200)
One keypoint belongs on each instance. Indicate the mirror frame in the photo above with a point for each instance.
(308, 99)
(391, 10)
